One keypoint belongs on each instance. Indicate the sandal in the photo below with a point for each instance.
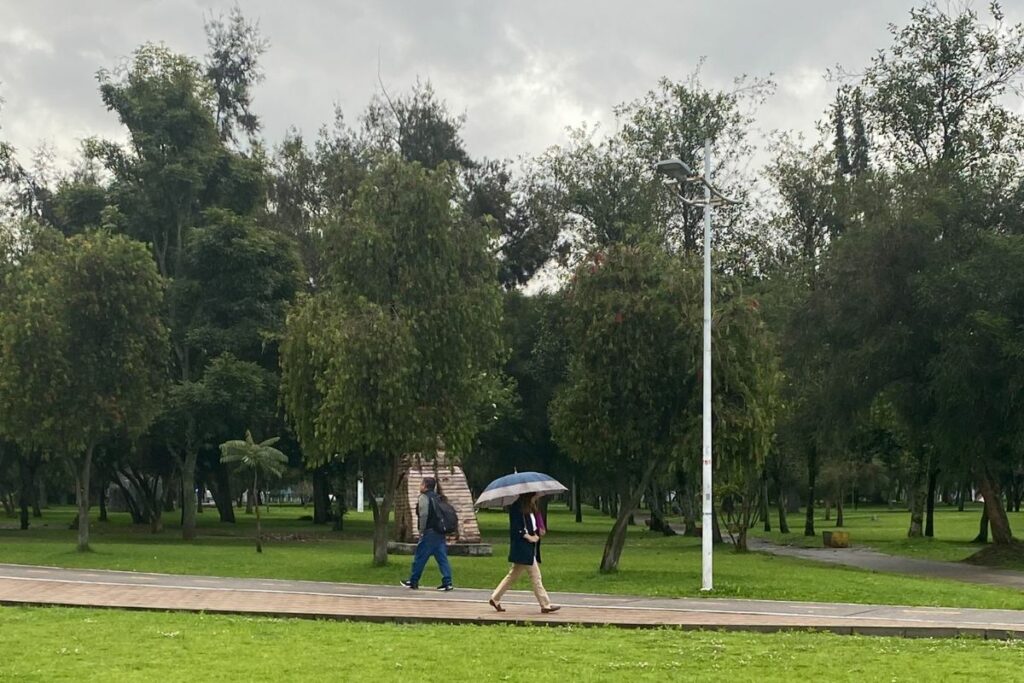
(496, 605)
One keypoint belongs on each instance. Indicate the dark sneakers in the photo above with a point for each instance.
(409, 584)
(446, 587)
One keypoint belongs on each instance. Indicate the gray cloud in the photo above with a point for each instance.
(521, 71)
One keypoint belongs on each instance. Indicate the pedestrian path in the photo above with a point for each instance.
(863, 558)
(31, 585)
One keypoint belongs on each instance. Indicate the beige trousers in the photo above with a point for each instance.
(535, 580)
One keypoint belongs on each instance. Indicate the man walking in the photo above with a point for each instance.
(432, 542)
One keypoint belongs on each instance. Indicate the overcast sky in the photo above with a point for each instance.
(520, 71)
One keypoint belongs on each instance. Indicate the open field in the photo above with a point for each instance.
(55, 644)
(651, 564)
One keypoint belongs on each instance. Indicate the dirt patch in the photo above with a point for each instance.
(1006, 556)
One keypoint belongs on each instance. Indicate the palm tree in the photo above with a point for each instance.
(258, 457)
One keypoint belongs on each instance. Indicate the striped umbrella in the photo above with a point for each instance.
(505, 490)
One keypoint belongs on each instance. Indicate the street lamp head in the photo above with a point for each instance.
(674, 168)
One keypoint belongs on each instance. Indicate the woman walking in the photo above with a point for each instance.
(524, 551)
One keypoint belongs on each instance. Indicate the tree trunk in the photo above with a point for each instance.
(222, 494)
(103, 503)
(38, 491)
(188, 482)
(828, 510)
(929, 521)
(839, 508)
(188, 494)
(982, 536)
(577, 503)
(339, 483)
(382, 513)
(617, 536)
(250, 500)
(259, 529)
(764, 501)
(918, 495)
(997, 519)
(658, 521)
(783, 522)
(82, 494)
(23, 509)
(170, 491)
(24, 490)
(321, 502)
(812, 476)
(716, 529)
(161, 491)
(961, 497)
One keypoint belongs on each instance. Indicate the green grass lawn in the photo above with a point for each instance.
(651, 564)
(52, 644)
(885, 530)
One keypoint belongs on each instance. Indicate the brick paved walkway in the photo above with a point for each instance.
(21, 584)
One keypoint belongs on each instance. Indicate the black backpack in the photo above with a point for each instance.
(445, 515)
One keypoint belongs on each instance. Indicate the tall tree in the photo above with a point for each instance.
(169, 177)
(402, 351)
(83, 350)
(632, 379)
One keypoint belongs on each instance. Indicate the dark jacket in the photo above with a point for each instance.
(520, 550)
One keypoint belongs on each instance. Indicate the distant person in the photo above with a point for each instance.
(525, 531)
(432, 538)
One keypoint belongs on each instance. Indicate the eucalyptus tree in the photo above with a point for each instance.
(177, 187)
(402, 349)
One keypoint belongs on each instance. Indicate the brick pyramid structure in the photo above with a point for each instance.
(453, 486)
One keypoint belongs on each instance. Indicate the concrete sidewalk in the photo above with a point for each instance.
(30, 585)
(872, 560)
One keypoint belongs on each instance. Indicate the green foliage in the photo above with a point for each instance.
(84, 347)
(258, 458)
(634, 330)
(82, 350)
(240, 279)
(417, 127)
(394, 369)
(232, 68)
(528, 230)
(403, 349)
(935, 95)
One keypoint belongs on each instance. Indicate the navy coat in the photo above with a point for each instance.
(520, 550)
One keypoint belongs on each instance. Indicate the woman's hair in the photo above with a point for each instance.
(528, 502)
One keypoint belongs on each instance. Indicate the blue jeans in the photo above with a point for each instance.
(431, 544)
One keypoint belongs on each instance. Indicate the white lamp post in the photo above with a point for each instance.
(679, 172)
